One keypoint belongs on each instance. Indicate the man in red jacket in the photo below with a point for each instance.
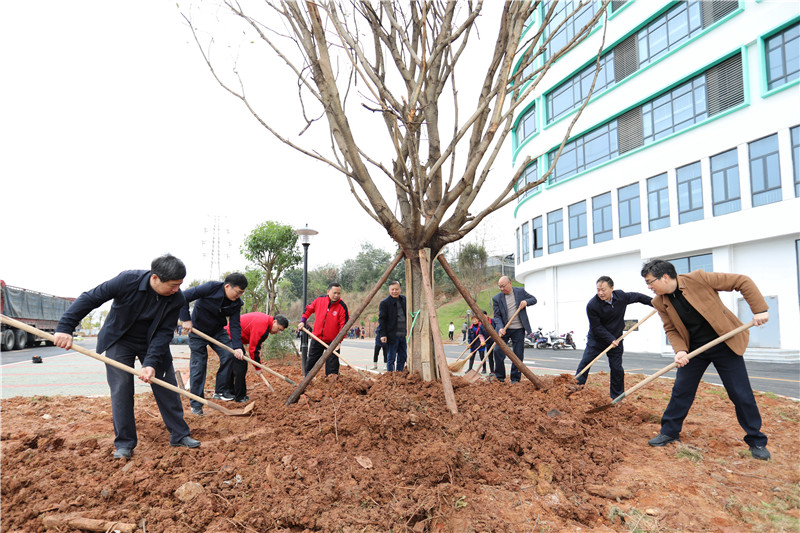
(331, 317)
(256, 327)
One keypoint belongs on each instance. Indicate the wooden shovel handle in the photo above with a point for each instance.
(112, 362)
(698, 351)
(226, 347)
(642, 321)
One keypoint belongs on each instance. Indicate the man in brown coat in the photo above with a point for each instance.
(693, 315)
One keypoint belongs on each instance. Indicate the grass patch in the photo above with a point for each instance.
(690, 453)
(779, 513)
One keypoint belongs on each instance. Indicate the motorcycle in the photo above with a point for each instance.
(532, 338)
(568, 340)
(556, 341)
(544, 341)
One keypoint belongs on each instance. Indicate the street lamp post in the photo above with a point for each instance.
(305, 239)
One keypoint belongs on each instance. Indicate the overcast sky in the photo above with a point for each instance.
(116, 145)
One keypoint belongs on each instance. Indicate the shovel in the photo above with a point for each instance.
(612, 344)
(335, 352)
(126, 368)
(472, 375)
(667, 368)
(458, 364)
(225, 347)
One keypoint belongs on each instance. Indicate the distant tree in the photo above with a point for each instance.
(363, 271)
(273, 247)
(472, 267)
(255, 296)
(295, 277)
(320, 278)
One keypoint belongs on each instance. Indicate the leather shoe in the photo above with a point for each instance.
(760, 452)
(662, 440)
(123, 453)
(186, 442)
(242, 400)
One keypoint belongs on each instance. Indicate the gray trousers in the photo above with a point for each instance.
(121, 385)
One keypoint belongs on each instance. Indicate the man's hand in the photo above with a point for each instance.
(615, 343)
(148, 372)
(187, 327)
(759, 319)
(523, 304)
(502, 332)
(63, 340)
(238, 354)
(680, 359)
(384, 339)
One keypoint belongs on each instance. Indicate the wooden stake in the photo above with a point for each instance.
(298, 391)
(492, 333)
(438, 345)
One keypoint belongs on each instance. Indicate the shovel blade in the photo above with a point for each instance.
(472, 376)
(599, 409)
(232, 412)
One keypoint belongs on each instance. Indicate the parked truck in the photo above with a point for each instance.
(34, 308)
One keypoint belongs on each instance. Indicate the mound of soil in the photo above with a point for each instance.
(386, 455)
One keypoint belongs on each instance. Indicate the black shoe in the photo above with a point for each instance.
(186, 442)
(123, 453)
(197, 411)
(224, 396)
(662, 440)
(760, 452)
(242, 400)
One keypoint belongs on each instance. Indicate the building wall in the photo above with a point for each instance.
(759, 241)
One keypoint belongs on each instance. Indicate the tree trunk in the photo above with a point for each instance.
(421, 357)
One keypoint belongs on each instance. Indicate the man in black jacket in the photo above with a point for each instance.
(214, 303)
(606, 312)
(392, 322)
(139, 325)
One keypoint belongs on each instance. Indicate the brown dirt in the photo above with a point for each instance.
(387, 456)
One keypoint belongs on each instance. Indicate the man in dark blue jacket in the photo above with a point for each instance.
(392, 323)
(214, 303)
(505, 304)
(139, 325)
(606, 312)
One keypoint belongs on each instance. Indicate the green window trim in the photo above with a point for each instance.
(598, 95)
(762, 54)
(516, 144)
(745, 82)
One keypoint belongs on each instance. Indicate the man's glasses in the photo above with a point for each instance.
(650, 282)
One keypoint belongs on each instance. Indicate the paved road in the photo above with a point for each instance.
(72, 373)
(778, 378)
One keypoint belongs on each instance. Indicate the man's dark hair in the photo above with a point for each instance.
(607, 280)
(168, 268)
(659, 267)
(395, 282)
(236, 279)
(282, 321)
(334, 284)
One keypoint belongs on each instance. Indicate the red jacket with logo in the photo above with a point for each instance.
(331, 317)
(255, 330)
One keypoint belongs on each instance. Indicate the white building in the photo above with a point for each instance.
(688, 150)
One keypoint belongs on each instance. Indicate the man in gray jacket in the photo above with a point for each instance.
(505, 304)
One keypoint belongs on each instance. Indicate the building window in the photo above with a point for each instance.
(675, 110)
(725, 183)
(718, 89)
(630, 211)
(577, 225)
(684, 265)
(675, 27)
(783, 57)
(585, 152)
(529, 175)
(796, 159)
(538, 237)
(575, 21)
(765, 172)
(601, 218)
(555, 231)
(526, 125)
(658, 202)
(690, 193)
(526, 248)
(571, 93)
(518, 254)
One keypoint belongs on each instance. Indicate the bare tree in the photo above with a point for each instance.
(397, 62)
